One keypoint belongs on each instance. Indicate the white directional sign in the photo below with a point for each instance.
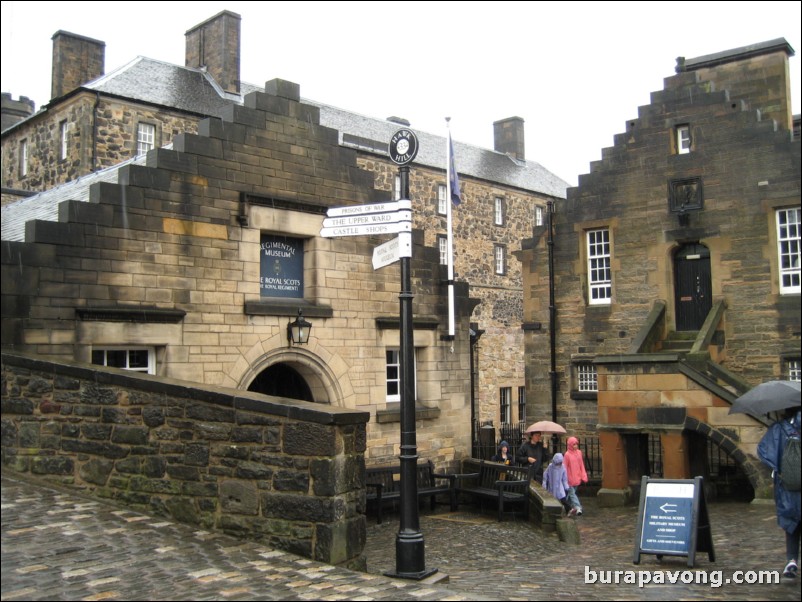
(386, 253)
(366, 229)
(372, 208)
(370, 218)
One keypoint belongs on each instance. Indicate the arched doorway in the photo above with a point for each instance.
(282, 380)
(693, 289)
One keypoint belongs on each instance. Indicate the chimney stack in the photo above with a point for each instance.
(215, 46)
(77, 60)
(508, 137)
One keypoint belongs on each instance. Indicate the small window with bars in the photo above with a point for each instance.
(586, 377)
(505, 404)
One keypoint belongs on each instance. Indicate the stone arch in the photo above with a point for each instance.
(324, 372)
(758, 474)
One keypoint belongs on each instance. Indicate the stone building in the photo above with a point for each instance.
(676, 275)
(166, 196)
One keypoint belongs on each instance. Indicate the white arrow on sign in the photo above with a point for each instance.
(372, 208)
(366, 229)
(372, 218)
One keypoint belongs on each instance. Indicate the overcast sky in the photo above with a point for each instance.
(574, 71)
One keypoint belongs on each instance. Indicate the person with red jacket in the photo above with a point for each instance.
(575, 467)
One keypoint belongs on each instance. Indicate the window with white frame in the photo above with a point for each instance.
(498, 211)
(683, 136)
(538, 216)
(137, 359)
(145, 138)
(442, 245)
(442, 203)
(505, 403)
(23, 158)
(63, 132)
(521, 404)
(599, 274)
(586, 377)
(499, 261)
(393, 375)
(793, 369)
(397, 188)
(788, 249)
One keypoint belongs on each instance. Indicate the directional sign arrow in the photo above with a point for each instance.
(366, 229)
(371, 218)
(372, 208)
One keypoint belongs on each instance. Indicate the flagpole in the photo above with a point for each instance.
(450, 235)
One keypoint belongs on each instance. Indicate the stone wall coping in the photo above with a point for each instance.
(233, 398)
(637, 358)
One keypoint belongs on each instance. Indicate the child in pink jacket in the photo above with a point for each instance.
(575, 467)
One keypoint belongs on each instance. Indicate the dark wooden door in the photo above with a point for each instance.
(692, 286)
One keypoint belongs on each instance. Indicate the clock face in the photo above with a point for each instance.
(403, 147)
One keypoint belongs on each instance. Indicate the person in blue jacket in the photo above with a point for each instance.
(770, 450)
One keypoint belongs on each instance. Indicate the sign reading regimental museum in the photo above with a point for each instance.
(282, 266)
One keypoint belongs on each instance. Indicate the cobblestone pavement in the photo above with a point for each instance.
(59, 545)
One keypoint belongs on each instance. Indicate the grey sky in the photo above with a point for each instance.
(574, 71)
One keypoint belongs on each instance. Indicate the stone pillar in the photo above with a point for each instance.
(615, 481)
(508, 137)
(676, 464)
(215, 46)
(77, 60)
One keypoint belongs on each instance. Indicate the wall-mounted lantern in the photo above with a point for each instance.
(298, 330)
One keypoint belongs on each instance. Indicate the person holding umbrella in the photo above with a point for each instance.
(770, 451)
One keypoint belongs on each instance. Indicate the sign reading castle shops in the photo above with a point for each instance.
(281, 273)
(673, 520)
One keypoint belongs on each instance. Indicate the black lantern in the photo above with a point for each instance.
(298, 330)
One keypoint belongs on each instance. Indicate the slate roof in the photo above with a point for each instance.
(195, 91)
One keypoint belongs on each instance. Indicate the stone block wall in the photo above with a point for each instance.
(283, 472)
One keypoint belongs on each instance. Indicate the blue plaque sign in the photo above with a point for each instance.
(282, 266)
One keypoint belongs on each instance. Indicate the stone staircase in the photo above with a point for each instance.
(679, 341)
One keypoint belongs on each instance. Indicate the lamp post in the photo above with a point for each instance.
(298, 330)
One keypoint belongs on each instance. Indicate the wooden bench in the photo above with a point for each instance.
(383, 483)
(503, 485)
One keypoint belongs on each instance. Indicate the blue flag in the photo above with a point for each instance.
(453, 178)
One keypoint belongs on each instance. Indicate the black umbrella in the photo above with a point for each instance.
(768, 397)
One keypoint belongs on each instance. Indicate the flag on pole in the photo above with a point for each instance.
(453, 178)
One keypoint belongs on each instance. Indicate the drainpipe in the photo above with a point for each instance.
(93, 165)
(552, 324)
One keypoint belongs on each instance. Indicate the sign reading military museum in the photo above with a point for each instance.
(282, 266)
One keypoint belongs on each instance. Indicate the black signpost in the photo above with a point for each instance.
(673, 520)
(410, 557)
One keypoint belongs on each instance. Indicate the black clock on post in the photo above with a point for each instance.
(403, 147)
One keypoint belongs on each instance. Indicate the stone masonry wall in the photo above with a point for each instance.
(287, 473)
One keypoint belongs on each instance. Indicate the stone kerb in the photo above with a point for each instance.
(283, 472)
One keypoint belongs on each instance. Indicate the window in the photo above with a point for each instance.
(599, 279)
(504, 402)
(498, 213)
(442, 204)
(521, 404)
(788, 250)
(794, 370)
(683, 137)
(586, 377)
(499, 256)
(62, 152)
(394, 376)
(442, 245)
(397, 188)
(145, 138)
(23, 158)
(137, 359)
(538, 216)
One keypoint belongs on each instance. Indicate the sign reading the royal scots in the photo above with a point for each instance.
(282, 266)
(672, 519)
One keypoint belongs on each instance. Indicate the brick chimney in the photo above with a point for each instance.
(215, 46)
(14, 111)
(76, 61)
(508, 137)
